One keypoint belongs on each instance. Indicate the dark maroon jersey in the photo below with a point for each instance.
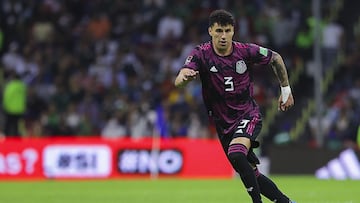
(227, 83)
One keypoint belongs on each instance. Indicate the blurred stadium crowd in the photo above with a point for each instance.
(106, 67)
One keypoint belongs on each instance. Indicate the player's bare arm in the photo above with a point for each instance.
(286, 99)
(185, 75)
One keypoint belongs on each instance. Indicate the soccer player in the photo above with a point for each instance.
(225, 70)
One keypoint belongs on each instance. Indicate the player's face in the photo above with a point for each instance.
(222, 37)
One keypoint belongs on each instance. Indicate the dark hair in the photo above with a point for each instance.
(221, 17)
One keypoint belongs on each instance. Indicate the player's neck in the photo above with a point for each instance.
(223, 52)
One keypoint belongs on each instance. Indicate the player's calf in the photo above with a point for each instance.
(237, 154)
(269, 189)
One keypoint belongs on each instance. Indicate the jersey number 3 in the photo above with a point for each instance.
(229, 84)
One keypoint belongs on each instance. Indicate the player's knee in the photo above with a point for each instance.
(237, 155)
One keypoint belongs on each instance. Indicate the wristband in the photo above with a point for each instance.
(285, 93)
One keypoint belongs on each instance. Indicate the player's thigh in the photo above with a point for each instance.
(247, 131)
(241, 140)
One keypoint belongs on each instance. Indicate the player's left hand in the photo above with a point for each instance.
(287, 105)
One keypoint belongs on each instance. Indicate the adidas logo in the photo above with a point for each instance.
(345, 166)
(250, 189)
(213, 69)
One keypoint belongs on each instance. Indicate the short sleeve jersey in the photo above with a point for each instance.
(227, 81)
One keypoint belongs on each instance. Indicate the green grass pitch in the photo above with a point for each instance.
(303, 189)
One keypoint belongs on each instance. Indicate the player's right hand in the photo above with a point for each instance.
(189, 74)
(185, 75)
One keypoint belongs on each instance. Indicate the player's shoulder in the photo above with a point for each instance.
(242, 45)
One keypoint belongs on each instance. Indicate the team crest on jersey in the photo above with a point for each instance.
(240, 67)
(188, 60)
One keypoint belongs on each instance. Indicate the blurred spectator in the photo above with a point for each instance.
(304, 41)
(13, 60)
(115, 127)
(283, 30)
(36, 106)
(332, 42)
(141, 121)
(170, 26)
(43, 31)
(14, 104)
(72, 117)
(99, 26)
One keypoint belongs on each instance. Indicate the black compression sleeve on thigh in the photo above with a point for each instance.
(269, 189)
(237, 156)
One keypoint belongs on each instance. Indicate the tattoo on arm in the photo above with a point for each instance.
(278, 66)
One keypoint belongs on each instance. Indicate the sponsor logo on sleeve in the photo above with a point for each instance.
(263, 51)
(188, 60)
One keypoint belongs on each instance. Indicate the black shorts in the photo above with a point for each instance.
(249, 127)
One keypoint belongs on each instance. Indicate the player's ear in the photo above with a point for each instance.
(210, 31)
